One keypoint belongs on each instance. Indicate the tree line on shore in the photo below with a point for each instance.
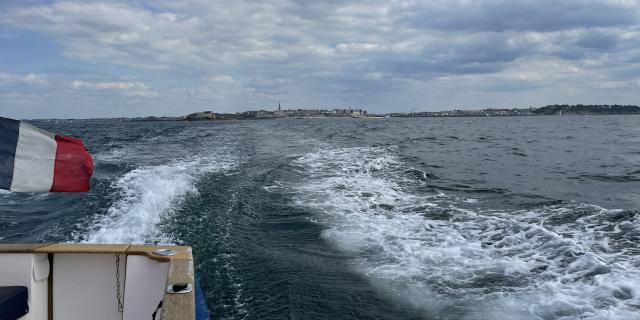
(587, 109)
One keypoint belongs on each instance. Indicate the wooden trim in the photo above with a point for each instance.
(83, 248)
(183, 253)
(22, 247)
(180, 306)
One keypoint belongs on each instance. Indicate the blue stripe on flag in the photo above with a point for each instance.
(9, 132)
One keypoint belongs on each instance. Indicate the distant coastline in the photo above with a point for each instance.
(550, 110)
(556, 109)
(280, 113)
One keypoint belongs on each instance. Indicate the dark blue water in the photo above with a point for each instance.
(433, 218)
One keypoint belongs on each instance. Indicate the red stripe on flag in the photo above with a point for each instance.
(73, 166)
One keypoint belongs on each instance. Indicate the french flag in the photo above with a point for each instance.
(33, 160)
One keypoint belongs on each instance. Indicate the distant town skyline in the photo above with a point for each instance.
(83, 59)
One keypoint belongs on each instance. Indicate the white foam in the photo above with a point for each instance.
(424, 250)
(147, 195)
(277, 185)
(111, 155)
(13, 196)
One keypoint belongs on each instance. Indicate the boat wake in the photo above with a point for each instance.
(423, 248)
(148, 195)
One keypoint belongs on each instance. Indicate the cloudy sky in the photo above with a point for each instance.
(71, 59)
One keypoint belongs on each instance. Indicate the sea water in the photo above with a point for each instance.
(416, 218)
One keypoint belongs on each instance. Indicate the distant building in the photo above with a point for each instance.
(206, 115)
(280, 113)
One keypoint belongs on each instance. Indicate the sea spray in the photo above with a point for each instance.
(472, 264)
(147, 195)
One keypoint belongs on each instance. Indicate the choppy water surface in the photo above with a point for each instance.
(452, 218)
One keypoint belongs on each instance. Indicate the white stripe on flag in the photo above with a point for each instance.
(33, 166)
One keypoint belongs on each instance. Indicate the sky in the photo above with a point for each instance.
(79, 59)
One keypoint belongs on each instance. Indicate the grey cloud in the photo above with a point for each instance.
(508, 86)
(343, 50)
(268, 86)
(231, 34)
(598, 40)
(478, 53)
(523, 15)
(632, 57)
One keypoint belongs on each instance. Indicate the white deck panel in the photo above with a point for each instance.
(145, 286)
(16, 269)
(84, 286)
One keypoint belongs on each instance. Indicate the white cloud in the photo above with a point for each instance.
(29, 78)
(374, 75)
(35, 78)
(220, 79)
(128, 88)
(358, 47)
